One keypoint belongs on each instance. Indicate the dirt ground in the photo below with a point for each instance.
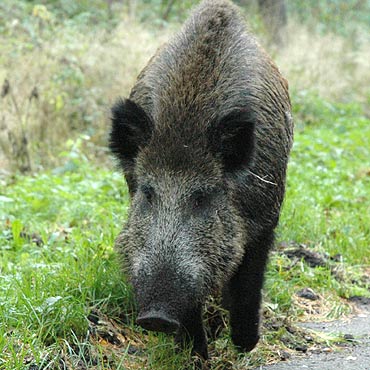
(354, 355)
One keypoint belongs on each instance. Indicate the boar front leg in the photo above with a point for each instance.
(243, 294)
(192, 331)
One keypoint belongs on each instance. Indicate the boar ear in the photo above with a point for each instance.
(233, 139)
(131, 130)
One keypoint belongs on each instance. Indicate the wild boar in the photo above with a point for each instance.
(203, 141)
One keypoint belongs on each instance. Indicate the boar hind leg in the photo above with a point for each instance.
(192, 331)
(243, 294)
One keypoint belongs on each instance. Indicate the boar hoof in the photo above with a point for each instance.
(157, 321)
(245, 344)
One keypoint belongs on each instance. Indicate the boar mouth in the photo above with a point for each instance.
(158, 321)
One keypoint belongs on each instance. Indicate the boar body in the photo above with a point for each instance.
(203, 141)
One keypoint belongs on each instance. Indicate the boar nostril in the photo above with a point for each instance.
(158, 321)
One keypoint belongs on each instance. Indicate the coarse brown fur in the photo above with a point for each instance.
(204, 141)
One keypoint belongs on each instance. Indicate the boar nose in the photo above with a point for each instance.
(158, 321)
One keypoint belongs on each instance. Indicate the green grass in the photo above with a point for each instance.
(57, 263)
(328, 184)
(48, 289)
(327, 205)
(58, 269)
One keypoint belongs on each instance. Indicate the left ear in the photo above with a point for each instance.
(233, 139)
(131, 130)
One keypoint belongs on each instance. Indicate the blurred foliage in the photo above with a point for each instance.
(161, 11)
(338, 16)
(63, 62)
(81, 10)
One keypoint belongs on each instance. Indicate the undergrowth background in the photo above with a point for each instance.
(62, 64)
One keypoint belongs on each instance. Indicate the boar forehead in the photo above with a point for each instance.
(172, 185)
(173, 160)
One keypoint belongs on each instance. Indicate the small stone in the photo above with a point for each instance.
(307, 293)
(348, 337)
(301, 348)
(284, 355)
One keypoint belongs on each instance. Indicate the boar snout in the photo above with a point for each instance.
(164, 295)
(158, 320)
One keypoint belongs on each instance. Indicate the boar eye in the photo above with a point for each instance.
(148, 193)
(199, 199)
